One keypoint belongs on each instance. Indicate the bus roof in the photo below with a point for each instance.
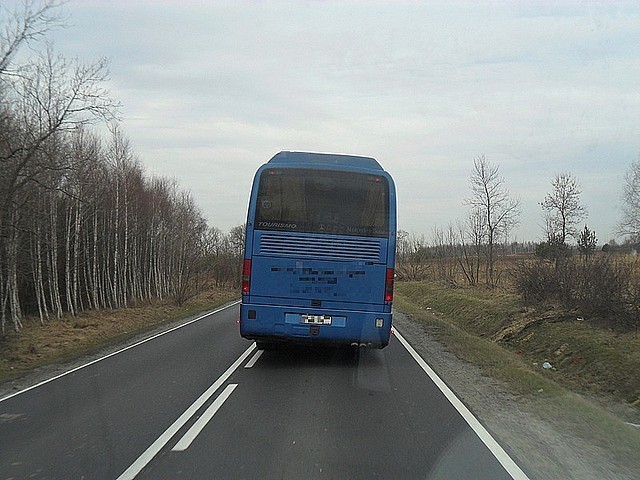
(305, 159)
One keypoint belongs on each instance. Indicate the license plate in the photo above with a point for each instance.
(316, 319)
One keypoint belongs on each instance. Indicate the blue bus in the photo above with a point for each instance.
(319, 252)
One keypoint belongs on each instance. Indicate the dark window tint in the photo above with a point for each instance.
(323, 202)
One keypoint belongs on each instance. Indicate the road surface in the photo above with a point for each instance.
(199, 402)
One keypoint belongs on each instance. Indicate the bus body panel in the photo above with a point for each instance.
(305, 284)
(318, 268)
(275, 323)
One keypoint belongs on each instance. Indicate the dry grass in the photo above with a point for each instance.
(593, 387)
(71, 337)
(448, 270)
(586, 354)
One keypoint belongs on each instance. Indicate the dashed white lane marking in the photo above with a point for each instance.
(142, 461)
(254, 359)
(197, 427)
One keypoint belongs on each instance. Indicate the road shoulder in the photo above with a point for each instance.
(541, 449)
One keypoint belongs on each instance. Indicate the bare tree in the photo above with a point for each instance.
(17, 28)
(629, 224)
(187, 247)
(49, 99)
(235, 244)
(412, 256)
(41, 102)
(471, 236)
(563, 209)
(443, 253)
(80, 225)
(29, 23)
(499, 212)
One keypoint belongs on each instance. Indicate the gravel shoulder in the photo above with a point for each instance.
(541, 448)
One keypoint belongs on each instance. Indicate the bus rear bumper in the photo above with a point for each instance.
(271, 324)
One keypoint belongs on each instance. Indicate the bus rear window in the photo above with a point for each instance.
(321, 201)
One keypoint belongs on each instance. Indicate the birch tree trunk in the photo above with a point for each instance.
(54, 289)
(75, 257)
(38, 284)
(116, 246)
(125, 248)
(12, 273)
(4, 299)
(95, 284)
(67, 261)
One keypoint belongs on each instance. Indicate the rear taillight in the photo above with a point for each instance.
(246, 275)
(388, 285)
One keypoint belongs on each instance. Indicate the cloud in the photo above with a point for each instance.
(211, 90)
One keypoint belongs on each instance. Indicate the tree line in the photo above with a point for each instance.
(563, 268)
(468, 247)
(81, 225)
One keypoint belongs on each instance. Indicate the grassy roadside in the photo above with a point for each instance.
(68, 338)
(592, 367)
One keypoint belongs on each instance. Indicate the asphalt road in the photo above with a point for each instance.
(199, 402)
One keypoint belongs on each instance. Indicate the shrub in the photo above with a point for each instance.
(600, 285)
(536, 281)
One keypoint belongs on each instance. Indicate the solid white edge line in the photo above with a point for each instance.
(142, 461)
(254, 359)
(197, 427)
(117, 352)
(494, 447)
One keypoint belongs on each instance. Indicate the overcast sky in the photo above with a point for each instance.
(211, 90)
